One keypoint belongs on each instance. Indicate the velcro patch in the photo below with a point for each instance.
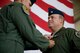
(78, 34)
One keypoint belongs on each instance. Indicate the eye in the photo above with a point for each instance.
(30, 4)
(52, 17)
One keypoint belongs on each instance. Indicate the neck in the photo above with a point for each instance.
(56, 29)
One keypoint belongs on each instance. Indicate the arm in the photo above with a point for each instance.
(27, 28)
(74, 40)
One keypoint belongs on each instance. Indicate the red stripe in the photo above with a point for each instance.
(67, 3)
(40, 22)
(69, 19)
(4, 2)
(45, 7)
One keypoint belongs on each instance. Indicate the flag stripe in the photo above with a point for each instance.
(68, 25)
(42, 30)
(40, 22)
(67, 3)
(43, 5)
(69, 19)
(40, 12)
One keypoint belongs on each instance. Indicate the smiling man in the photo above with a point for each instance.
(67, 40)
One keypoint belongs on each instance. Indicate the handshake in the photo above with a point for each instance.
(51, 41)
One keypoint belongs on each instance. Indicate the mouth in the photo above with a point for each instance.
(49, 22)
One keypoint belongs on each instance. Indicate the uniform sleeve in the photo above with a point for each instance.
(76, 41)
(74, 38)
(27, 28)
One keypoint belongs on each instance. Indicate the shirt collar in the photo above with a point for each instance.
(56, 33)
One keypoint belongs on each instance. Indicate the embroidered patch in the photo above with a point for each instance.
(26, 10)
(78, 34)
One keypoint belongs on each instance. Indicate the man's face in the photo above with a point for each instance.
(54, 20)
(27, 3)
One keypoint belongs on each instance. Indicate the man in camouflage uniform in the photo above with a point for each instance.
(67, 40)
(17, 28)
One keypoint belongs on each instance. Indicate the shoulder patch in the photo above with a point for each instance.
(78, 34)
(25, 9)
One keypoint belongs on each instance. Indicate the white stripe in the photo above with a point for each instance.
(60, 6)
(39, 12)
(32, 51)
(42, 30)
(68, 25)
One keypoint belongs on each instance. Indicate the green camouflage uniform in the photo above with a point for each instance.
(16, 28)
(67, 40)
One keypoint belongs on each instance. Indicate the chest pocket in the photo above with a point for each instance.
(61, 41)
(1, 23)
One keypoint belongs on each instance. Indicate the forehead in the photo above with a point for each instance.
(54, 15)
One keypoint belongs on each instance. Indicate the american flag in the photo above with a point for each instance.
(39, 13)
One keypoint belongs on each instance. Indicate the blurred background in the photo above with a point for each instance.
(77, 13)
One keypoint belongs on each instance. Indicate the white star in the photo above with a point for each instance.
(51, 11)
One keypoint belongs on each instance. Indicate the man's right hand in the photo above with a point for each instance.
(48, 36)
(52, 43)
